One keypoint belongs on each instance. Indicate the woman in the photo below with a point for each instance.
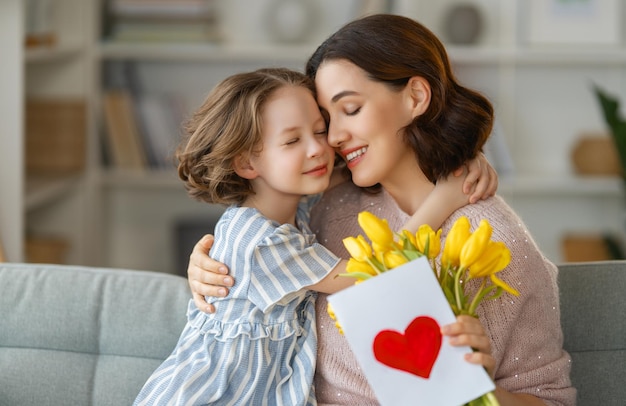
(399, 119)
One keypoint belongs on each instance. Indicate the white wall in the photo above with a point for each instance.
(11, 125)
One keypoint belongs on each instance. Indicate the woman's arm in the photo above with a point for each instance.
(468, 331)
(207, 277)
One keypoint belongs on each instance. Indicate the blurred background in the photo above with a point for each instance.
(94, 93)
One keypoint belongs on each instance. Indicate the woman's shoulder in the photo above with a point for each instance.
(506, 223)
(508, 227)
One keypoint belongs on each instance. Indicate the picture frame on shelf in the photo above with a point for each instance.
(573, 22)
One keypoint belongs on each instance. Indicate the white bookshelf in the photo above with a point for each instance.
(542, 97)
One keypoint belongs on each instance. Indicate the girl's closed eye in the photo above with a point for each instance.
(321, 132)
(292, 141)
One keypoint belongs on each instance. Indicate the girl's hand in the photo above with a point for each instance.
(206, 277)
(469, 331)
(481, 181)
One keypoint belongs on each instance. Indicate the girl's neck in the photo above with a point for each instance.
(281, 209)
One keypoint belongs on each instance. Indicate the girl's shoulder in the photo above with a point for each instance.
(238, 221)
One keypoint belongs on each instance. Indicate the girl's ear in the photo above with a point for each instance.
(419, 95)
(243, 167)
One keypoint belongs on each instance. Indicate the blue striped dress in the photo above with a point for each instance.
(259, 348)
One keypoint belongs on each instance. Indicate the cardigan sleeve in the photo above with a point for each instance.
(525, 330)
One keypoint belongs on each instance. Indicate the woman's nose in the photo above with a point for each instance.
(336, 136)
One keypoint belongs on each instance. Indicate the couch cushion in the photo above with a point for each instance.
(593, 304)
(81, 335)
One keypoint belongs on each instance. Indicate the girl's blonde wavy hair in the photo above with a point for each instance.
(226, 125)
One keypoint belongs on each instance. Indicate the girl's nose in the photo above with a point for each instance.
(317, 147)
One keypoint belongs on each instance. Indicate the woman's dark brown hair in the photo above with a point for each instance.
(391, 49)
(227, 125)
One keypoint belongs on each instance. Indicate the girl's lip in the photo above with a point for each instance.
(318, 170)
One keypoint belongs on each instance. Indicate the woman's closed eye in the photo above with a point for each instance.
(353, 111)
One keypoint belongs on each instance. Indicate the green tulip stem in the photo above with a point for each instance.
(376, 265)
(457, 288)
(482, 292)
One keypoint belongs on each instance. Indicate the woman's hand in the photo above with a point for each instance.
(481, 181)
(206, 277)
(469, 331)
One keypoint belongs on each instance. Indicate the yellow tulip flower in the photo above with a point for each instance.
(475, 245)
(458, 235)
(495, 258)
(354, 266)
(427, 236)
(376, 229)
(503, 285)
(409, 238)
(331, 313)
(358, 248)
(393, 259)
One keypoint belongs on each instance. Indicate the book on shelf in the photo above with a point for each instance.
(163, 20)
(164, 8)
(55, 135)
(124, 142)
(160, 117)
(163, 31)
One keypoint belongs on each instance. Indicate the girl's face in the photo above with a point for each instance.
(366, 119)
(295, 158)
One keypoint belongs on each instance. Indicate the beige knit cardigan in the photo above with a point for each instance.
(525, 331)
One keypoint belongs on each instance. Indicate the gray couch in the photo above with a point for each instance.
(90, 336)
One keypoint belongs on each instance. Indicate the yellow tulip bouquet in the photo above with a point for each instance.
(466, 255)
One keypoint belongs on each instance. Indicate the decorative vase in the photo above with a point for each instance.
(463, 24)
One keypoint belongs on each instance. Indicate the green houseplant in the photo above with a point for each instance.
(617, 126)
(609, 105)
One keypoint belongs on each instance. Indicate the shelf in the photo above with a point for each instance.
(593, 186)
(207, 52)
(52, 53)
(203, 52)
(519, 185)
(160, 179)
(42, 190)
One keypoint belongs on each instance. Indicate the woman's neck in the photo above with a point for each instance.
(408, 191)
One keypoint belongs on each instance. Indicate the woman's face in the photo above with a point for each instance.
(366, 119)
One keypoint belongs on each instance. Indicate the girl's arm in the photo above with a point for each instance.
(207, 277)
(447, 197)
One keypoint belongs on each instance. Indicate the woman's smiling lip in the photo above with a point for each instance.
(352, 155)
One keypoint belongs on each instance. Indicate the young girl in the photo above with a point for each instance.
(258, 144)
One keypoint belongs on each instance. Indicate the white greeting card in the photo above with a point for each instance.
(392, 323)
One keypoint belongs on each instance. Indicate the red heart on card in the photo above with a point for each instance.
(415, 351)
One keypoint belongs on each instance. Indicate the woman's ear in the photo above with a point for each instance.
(419, 94)
(243, 167)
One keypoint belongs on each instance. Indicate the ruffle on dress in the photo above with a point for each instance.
(226, 331)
